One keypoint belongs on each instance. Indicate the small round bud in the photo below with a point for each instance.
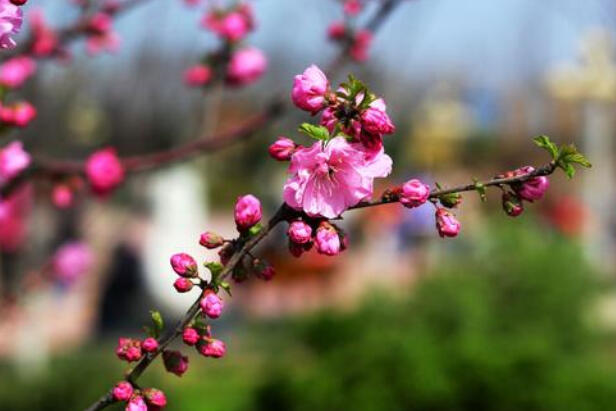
(211, 240)
(282, 149)
(190, 336)
(211, 347)
(136, 403)
(446, 223)
(149, 344)
(122, 391)
(414, 193)
(175, 362)
(183, 285)
(299, 232)
(327, 240)
(248, 212)
(211, 304)
(532, 189)
(184, 265)
(263, 269)
(512, 204)
(154, 398)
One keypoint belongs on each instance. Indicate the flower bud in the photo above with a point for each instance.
(197, 75)
(149, 344)
(211, 304)
(263, 269)
(129, 349)
(190, 336)
(327, 240)
(136, 403)
(154, 398)
(299, 232)
(446, 223)
(122, 391)
(376, 121)
(23, 114)
(248, 212)
(175, 362)
(13, 160)
(183, 285)
(352, 7)
(512, 204)
(451, 200)
(309, 89)
(361, 45)
(225, 253)
(414, 193)
(62, 196)
(336, 30)
(532, 189)
(282, 149)
(211, 347)
(184, 265)
(104, 171)
(211, 240)
(246, 66)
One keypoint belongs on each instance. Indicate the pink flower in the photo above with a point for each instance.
(211, 240)
(155, 399)
(23, 114)
(446, 223)
(248, 212)
(175, 362)
(246, 66)
(14, 216)
(190, 336)
(11, 19)
(104, 171)
(336, 30)
(136, 403)
(299, 232)
(184, 265)
(45, 38)
(14, 72)
(282, 149)
(122, 391)
(197, 75)
(101, 36)
(352, 7)
(327, 179)
(62, 196)
(211, 304)
(512, 204)
(532, 189)
(309, 89)
(414, 193)
(71, 261)
(327, 240)
(233, 27)
(212, 347)
(361, 44)
(149, 344)
(375, 119)
(129, 349)
(13, 160)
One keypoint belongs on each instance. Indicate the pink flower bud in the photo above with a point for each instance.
(336, 30)
(62, 196)
(149, 344)
(154, 398)
(122, 391)
(532, 189)
(246, 66)
(183, 285)
(211, 304)
(104, 171)
(175, 362)
(190, 336)
(71, 261)
(361, 45)
(184, 265)
(234, 27)
(211, 240)
(212, 347)
(129, 349)
(248, 212)
(512, 204)
(263, 269)
(13, 160)
(136, 403)
(299, 232)
(414, 193)
(282, 149)
(446, 223)
(327, 240)
(352, 7)
(225, 253)
(23, 114)
(197, 76)
(14, 72)
(309, 89)
(376, 121)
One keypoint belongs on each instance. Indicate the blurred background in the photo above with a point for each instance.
(513, 314)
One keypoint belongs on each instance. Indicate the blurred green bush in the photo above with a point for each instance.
(509, 326)
(504, 329)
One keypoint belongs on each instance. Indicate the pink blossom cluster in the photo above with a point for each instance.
(11, 19)
(358, 41)
(530, 190)
(240, 65)
(136, 399)
(100, 35)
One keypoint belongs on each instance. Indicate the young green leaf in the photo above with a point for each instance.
(568, 155)
(547, 144)
(215, 268)
(157, 321)
(316, 132)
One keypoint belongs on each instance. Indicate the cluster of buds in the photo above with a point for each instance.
(238, 65)
(146, 399)
(530, 190)
(327, 238)
(100, 35)
(199, 335)
(343, 32)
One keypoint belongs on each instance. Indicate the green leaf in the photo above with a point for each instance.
(157, 320)
(215, 268)
(547, 144)
(255, 229)
(568, 155)
(316, 132)
(226, 286)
